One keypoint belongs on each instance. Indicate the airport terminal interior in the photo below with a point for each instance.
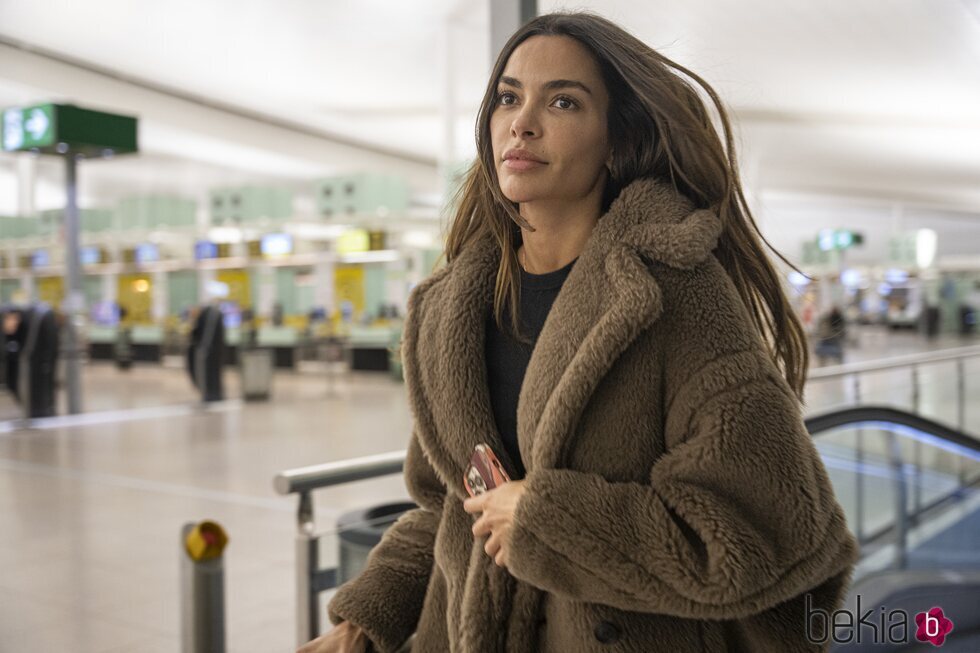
(212, 215)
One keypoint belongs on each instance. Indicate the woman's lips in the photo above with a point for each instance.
(522, 164)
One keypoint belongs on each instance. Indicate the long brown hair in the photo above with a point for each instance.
(658, 127)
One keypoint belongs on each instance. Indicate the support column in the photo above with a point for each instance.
(161, 295)
(506, 17)
(266, 289)
(74, 304)
(26, 182)
(323, 287)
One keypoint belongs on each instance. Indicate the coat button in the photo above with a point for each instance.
(606, 632)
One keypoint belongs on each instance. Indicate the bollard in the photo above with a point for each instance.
(202, 580)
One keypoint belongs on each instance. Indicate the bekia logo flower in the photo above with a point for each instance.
(933, 626)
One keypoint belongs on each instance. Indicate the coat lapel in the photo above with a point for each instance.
(608, 299)
(452, 367)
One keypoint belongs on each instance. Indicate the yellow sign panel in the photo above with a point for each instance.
(348, 285)
(51, 290)
(134, 292)
(239, 289)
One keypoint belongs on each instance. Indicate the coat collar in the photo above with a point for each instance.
(609, 297)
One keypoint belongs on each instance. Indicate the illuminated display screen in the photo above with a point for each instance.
(147, 253)
(353, 240)
(90, 256)
(205, 249)
(277, 245)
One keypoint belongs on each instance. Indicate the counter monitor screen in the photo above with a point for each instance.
(104, 313)
(90, 256)
(232, 314)
(147, 253)
(205, 249)
(277, 244)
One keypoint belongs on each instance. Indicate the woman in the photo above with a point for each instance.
(672, 500)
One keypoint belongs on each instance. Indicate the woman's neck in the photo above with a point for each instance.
(558, 239)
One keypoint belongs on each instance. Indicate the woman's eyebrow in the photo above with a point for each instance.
(548, 86)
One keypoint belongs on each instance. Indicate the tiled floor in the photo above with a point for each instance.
(90, 514)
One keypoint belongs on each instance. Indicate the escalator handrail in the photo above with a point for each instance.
(857, 415)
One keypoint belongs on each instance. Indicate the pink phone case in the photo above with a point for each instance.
(485, 471)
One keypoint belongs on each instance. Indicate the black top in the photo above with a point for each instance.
(507, 357)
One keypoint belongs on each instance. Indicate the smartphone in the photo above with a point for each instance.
(485, 471)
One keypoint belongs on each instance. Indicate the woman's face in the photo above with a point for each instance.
(551, 102)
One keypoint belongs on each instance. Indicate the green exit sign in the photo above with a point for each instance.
(831, 239)
(24, 129)
(65, 128)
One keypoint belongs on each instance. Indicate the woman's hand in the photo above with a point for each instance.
(497, 506)
(345, 637)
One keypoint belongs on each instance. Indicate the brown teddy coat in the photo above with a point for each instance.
(675, 501)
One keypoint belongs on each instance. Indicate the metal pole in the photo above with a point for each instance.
(74, 304)
(901, 502)
(506, 17)
(202, 601)
(859, 480)
(961, 414)
(917, 409)
(307, 562)
(24, 373)
(960, 394)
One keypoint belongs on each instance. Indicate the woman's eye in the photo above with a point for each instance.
(570, 103)
(565, 99)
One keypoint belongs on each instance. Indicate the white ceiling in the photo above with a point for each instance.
(853, 97)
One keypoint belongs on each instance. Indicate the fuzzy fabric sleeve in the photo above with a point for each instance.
(386, 598)
(738, 515)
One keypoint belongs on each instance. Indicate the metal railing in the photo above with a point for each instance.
(311, 579)
(913, 362)
(892, 420)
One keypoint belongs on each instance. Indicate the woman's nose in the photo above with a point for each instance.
(525, 125)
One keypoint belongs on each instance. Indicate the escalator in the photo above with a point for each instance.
(910, 487)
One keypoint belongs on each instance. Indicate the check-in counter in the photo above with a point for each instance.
(146, 340)
(282, 340)
(101, 341)
(369, 347)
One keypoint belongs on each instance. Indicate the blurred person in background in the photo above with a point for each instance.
(663, 492)
(32, 339)
(831, 336)
(206, 350)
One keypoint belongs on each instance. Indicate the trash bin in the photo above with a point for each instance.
(256, 368)
(359, 531)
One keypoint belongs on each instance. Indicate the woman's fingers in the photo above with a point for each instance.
(360, 643)
(501, 558)
(343, 638)
(481, 526)
(492, 547)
